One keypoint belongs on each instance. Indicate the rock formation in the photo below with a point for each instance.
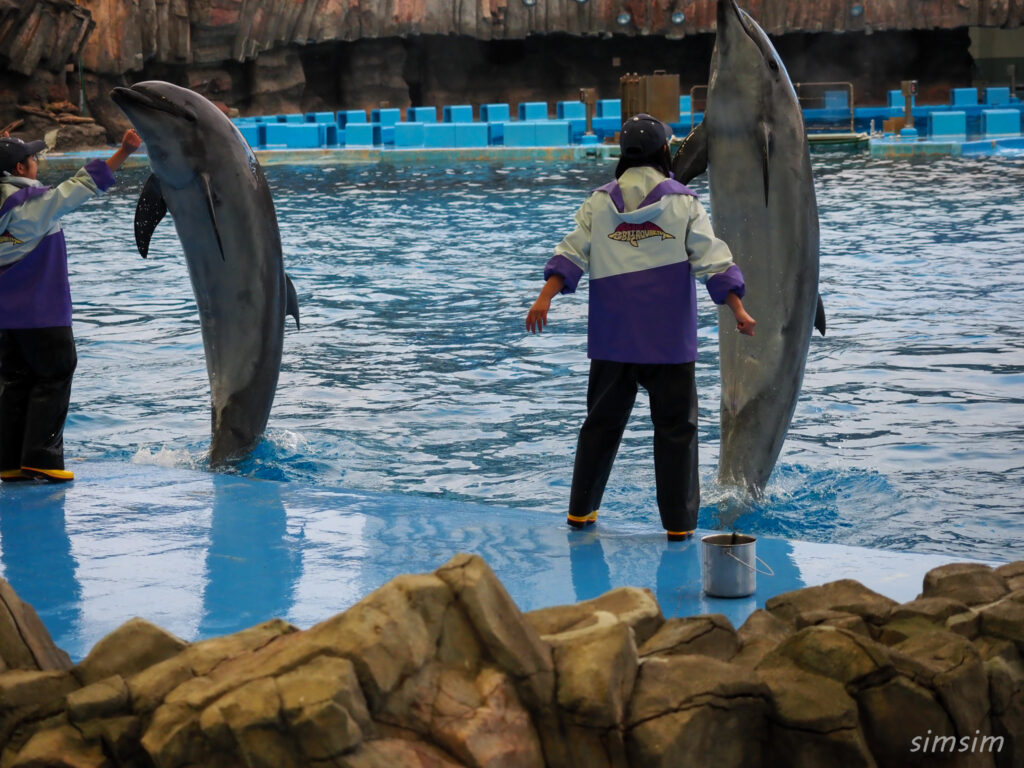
(443, 670)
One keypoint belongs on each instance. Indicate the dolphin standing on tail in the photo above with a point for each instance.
(206, 175)
(753, 144)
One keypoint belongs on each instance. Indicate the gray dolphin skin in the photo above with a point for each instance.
(753, 145)
(206, 175)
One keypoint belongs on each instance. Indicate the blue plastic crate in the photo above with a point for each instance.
(291, 118)
(359, 135)
(383, 134)
(408, 134)
(609, 108)
(521, 134)
(685, 104)
(328, 134)
(439, 134)
(292, 135)
(495, 113)
(947, 124)
(552, 133)
(1000, 122)
(347, 116)
(496, 132)
(997, 96)
(564, 110)
(386, 116)
(963, 97)
(896, 99)
(470, 134)
(458, 113)
(421, 114)
(251, 133)
(321, 117)
(533, 110)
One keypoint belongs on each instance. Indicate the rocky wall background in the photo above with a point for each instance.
(60, 59)
(441, 670)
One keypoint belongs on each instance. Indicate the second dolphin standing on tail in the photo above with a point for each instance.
(206, 175)
(753, 144)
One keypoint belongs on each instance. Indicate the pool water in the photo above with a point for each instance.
(413, 371)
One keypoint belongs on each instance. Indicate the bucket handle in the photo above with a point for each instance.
(754, 568)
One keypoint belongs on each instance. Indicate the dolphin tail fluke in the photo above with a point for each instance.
(292, 305)
(691, 158)
(149, 211)
(213, 213)
(819, 316)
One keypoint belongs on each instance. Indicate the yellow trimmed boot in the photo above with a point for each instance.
(582, 522)
(678, 535)
(13, 476)
(49, 475)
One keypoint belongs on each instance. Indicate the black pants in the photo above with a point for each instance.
(611, 393)
(36, 367)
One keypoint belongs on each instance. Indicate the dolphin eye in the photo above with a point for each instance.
(773, 65)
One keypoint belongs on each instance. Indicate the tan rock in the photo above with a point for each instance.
(895, 712)
(760, 633)
(636, 607)
(949, 665)
(173, 737)
(970, 583)
(107, 698)
(1004, 619)
(814, 722)
(392, 753)
(508, 638)
(684, 706)
(60, 748)
(843, 656)
(390, 633)
(709, 635)
(898, 630)
(1006, 687)
(965, 624)
(134, 646)
(30, 695)
(843, 595)
(118, 735)
(831, 618)
(24, 641)
(1012, 574)
(935, 609)
(595, 669)
(252, 716)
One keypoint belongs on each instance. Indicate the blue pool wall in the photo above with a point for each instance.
(986, 113)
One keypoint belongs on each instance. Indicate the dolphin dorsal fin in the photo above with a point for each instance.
(149, 212)
(819, 316)
(292, 305)
(213, 214)
(766, 156)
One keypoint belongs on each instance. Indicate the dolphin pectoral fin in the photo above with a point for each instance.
(766, 155)
(819, 316)
(691, 158)
(292, 306)
(149, 211)
(213, 214)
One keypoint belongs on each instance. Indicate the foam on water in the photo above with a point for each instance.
(413, 372)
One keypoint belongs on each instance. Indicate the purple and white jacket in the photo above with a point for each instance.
(34, 290)
(644, 240)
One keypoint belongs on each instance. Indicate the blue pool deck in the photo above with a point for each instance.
(204, 554)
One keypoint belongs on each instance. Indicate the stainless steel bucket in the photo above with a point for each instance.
(729, 565)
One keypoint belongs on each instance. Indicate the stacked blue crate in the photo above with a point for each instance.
(321, 117)
(533, 110)
(496, 116)
(383, 121)
(439, 135)
(292, 135)
(947, 125)
(250, 132)
(291, 118)
(359, 134)
(458, 113)
(421, 114)
(470, 134)
(575, 112)
(963, 97)
(997, 96)
(409, 134)
(996, 123)
(537, 133)
(607, 118)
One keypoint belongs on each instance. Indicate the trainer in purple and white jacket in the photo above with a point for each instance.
(37, 347)
(645, 240)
